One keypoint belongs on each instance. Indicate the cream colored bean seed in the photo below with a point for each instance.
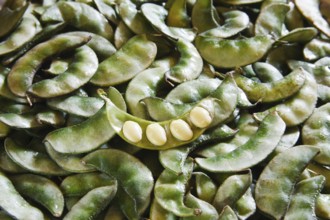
(132, 131)
(200, 117)
(181, 130)
(156, 134)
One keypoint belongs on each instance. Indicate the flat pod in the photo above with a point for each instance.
(14, 204)
(90, 205)
(157, 212)
(178, 14)
(315, 132)
(266, 72)
(122, 35)
(79, 72)
(226, 53)
(26, 30)
(174, 159)
(231, 190)
(22, 73)
(78, 15)
(32, 160)
(107, 10)
(69, 162)
(299, 35)
(204, 15)
(198, 89)
(5, 91)
(136, 55)
(21, 121)
(245, 206)
(170, 189)
(77, 105)
(159, 135)
(302, 204)
(299, 107)
(272, 91)
(157, 14)
(276, 183)
(271, 20)
(259, 146)
(42, 190)
(311, 11)
(80, 184)
(206, 188)
(144, 84)
(135, 181)
(316, 48)
(227, 214)
(322, 206)
(235, 21)
(189, 65)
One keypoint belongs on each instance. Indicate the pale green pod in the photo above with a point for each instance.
(78, 15)
(90, 205)
(77, 105)
(133, 18)
(299, 107)
(294, 19)
(316, 48)
(157, 212)
(107, 10)
(227, 214)
(80, 184)
(12, 15)
(42, 190)
(5, 91)
(58, 66)
(204, 16)
(259, 146)
(208, 211)
(178, 15)
(235, 21)
(14, 204)
(22, 73)
(302, 204)
(189, 65)
(122, 35)
(7, 164)
(271, 20)
(69, 162)
(231, 190)
(51, 117)
(266, 72)
(135, 181)
(272, 91)
(26, 30)
(322, 206)
(170, 189)
(20, 121)
(299, 35)
(288, 140)
(315, 132)
(321, 170)
(276, 183)
(33, 160)
(198, 89)
(136, 55)
(311, 11)
(157, 14)
(205, 187)
(221, 52)
(245, 206)
(144, 84)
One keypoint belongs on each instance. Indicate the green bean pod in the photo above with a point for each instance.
(204, 15)
(178, 15)
(79, 15)
(252, 152)
(234, 22)
(21, 75)
(157, 14)
(157, 212)
(245, 206)
(188, 67)
(302, 204)
(322, 206)
(14, 204)
(80, 184)
(275, 185)
(221, 52)
(26, 30)
(161, 135)
(135, 181)
(42, 190)
(273, 91)
(122, 35)
(227, 214)
(90, 205)
(136, 55)
(79, 72)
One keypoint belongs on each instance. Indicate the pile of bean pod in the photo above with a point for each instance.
(154, 109)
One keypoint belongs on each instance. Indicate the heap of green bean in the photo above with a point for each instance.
(179, 109)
